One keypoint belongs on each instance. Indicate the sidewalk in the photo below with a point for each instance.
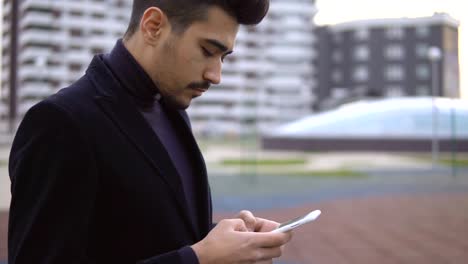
(403, 212)
(429, 229)
(3, 235)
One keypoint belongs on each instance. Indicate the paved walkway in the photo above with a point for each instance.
(386, 230)
(398, 214)
(3, 234)
(425, 228)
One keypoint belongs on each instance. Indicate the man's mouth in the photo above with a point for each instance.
(202, 86)
(199, 91)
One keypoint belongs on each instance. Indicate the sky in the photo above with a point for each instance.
(337, 11)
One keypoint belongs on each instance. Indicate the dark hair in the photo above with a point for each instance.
(182, 13)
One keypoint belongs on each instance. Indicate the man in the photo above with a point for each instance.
(107, 170)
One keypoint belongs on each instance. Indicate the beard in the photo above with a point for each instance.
(174, 103)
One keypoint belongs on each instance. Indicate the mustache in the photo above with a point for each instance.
(203, 85)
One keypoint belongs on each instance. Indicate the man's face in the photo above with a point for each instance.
(186, 64)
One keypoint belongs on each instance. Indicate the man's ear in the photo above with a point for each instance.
(152, 24)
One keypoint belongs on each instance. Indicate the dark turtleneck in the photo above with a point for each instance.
(146, 96)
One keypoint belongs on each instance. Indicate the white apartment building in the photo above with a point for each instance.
(56, 41)
(269, 78)
(267, 82)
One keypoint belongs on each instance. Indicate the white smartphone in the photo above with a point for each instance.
(290, 225)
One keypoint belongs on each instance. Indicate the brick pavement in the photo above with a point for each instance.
(430, 228)
(3, 234)
(427, 228)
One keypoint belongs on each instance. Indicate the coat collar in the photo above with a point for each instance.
(115, 101)
(132, 76)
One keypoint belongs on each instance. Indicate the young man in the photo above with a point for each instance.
(107, 170)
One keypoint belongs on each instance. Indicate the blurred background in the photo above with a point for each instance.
(358, 108)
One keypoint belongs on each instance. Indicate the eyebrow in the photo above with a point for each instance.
(219, 45)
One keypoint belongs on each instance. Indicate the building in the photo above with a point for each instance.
(387, 57)
(53, 42)
(267, 82)
(369, 125)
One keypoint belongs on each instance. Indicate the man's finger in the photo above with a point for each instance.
(267, 239)
(249, 219)
(233, 224)
(265, 255)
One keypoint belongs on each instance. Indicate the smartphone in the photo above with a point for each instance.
(290, 225)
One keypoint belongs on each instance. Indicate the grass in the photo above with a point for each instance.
(263, 162)
(248, 143)
(457, 162)
(461, 159)
(330, 174)
(294, 168)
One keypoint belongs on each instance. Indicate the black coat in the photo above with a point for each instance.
(92, 183)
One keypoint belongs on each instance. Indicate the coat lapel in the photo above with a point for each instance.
(124, 113)
(182, 122)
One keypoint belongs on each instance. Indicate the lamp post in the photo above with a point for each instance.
(13, 73)
(434, 54)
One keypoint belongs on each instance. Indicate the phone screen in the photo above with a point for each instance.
(292, 221)
(291, 224)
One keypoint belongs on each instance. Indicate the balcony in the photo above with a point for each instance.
(101, 42)
(35, 72)
(32, 53)
(284, 81)
(39, 90)
(37, 19)
(220, 97)
(80, 57)
(25, 105)
(42, 37)
(104, 24)
(293, 8)
(211, 111)
(6, 42)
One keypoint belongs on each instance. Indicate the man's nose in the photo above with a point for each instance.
(213, 73)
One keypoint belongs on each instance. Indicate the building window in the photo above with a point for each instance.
(337, 76)
(422, 90)
(76, 13)
(422, 31)
(360, 90)
(395, 33)
(361, 53)
(361, 34)
(394, 91)
(422, 72)
(394, 52)
(337, 56)
(337, 38)
(97, 51)
(75, 32)
(120, 3)
(421, 50)
(98, 15)
(74, 67)
(360, 74)
(394, 73)
(98, 32)
(339, 92)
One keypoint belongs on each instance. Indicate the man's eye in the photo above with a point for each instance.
(223, 58)
(206, 52)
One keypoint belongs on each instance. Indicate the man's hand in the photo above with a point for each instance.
(231, 243)
(256, 224)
